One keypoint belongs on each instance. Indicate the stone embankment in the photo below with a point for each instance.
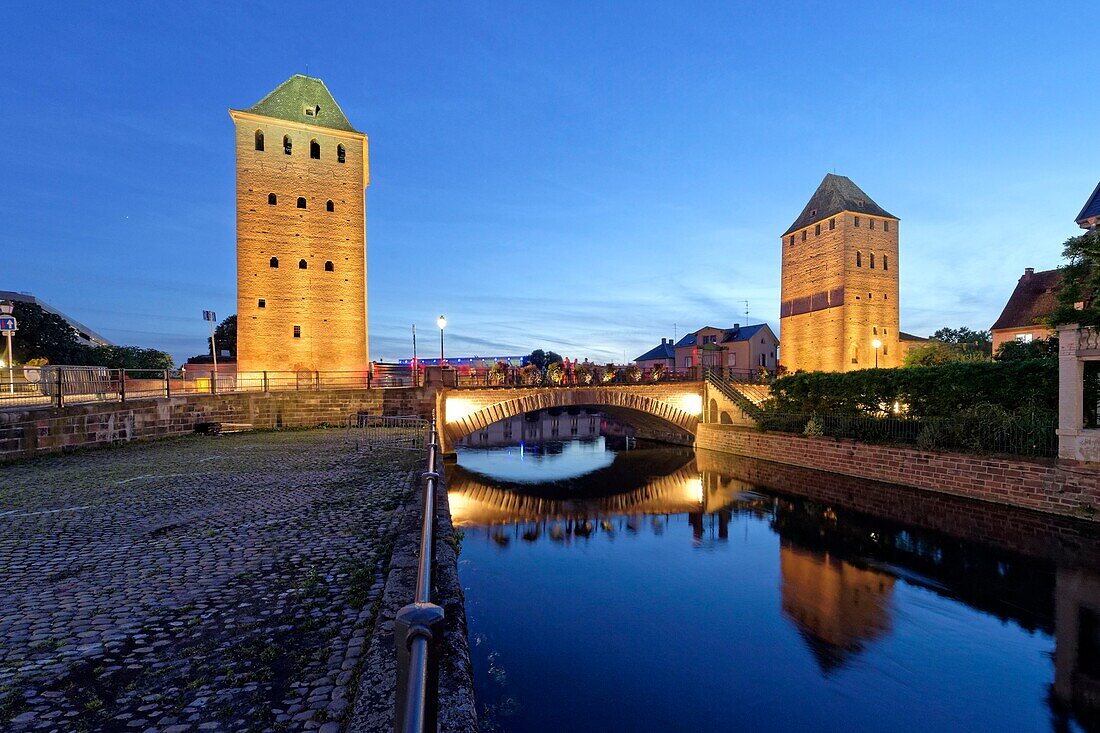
(223, 583)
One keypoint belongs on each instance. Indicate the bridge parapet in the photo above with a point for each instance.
(676, 405)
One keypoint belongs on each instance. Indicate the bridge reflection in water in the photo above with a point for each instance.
(858, 565)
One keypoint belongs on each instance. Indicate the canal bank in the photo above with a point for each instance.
(1045, 485)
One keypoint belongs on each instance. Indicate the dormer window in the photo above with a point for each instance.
(813, 212)
(312, 111)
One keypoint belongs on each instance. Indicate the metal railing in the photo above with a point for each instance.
(728, 388)
(581, 375)
(69, 385)
(1026, 433)
(386, 431)
(418, 627)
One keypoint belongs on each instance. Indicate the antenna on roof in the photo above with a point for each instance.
(746, 311)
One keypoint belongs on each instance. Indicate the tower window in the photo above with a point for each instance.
(874, 330)
(329, 267)
(817, 230)
(340, 156)
(272, 199)
(329, 206)
(259, 139)
(885, 262)
(286, 144)
(792, 240)
(885, 226)
(314, 149)
(297, 332)
(832, 224)
(261, 303)
(859, 259)
(274, 262)
(302, 264)
(857, 221)
(870, 223)
(301, 202)
(872, 260)
(803, 235)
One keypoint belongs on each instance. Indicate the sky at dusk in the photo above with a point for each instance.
(584, 177)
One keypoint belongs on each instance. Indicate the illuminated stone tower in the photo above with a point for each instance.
(302, 171)
(840, 283)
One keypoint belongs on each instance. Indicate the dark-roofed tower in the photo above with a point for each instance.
(840, 282)
(301, 233)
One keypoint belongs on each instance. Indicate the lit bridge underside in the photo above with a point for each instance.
(668, 412)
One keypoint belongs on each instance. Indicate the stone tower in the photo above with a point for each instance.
(302, 171)
(840, 282)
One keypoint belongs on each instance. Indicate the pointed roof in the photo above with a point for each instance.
(1035, 298)
(664, 351)
(834, 195)
(290, 100)
(1091, 209)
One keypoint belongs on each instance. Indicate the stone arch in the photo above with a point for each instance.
(726, 419)
(712, 411)
(484, 407)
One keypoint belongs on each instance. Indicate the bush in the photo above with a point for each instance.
(658, 372)
(555, 373)
(927, 391)
(609, 372)
(814, 427)
(632, 373)
(583, 374)
(530, 375)
(497, 372)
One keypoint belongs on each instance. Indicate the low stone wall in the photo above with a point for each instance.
(37, 431)
(1043, 485)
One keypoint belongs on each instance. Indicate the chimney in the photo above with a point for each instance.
(663, 342)
(1028, 272)
(736, 326)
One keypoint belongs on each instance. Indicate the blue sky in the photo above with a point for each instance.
(570, 175)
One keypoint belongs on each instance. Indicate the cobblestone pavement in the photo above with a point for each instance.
(220, 583)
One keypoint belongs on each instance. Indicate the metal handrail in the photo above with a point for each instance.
(418, 627)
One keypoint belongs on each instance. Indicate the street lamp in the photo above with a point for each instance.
(442, 323)
(878, 345)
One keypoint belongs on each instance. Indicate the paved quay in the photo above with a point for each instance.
(222, 583)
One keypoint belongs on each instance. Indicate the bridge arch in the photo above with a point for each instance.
(675, 409)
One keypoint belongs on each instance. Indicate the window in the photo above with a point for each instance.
(869, 296)
(272, 199)
(1023, 338)
(885, 226)
(872, 260)
(302, 264)
(301, 202)
(874, 330)
(687, 361)
(817, 230)
(286, 144)
(762, 360)
(274, 262)
(261, 303)
(313, 111)
(832, 224)
(732, 359)
(329, 206)
(857, 221)
(885, 262)
(297, 332)
(859, 259)
(329, 267)
(259, 140)
(803, 235)
(314, 149)
(340, 156)
(870, 223)
(792, 240)
(813, 212)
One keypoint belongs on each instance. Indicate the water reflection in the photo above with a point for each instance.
(889, 593)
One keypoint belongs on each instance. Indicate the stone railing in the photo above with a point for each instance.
(1088, 341)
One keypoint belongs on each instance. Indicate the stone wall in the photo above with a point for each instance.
(1034, 484)
(37, 431)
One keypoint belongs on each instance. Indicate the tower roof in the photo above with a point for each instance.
(834, 195)
(1091, 209)
(291, 100)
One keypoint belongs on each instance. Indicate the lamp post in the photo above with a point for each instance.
(442, 323)
(878, 345)
(6, 309)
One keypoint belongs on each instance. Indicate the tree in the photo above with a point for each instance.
(1080, 282)
(226, 337)
(963, 335)
(935, 353)
(542, 359)
(1034, 349)
(43, 335)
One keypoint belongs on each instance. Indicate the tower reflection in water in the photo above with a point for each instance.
(844, 545)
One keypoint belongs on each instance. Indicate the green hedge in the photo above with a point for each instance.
(928, 391)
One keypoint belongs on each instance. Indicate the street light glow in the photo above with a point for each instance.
(877, 344)
(441, 322)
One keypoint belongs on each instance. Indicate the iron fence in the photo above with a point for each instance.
(585, 375)
(69, 385)
(386, 431)
(1026, 434)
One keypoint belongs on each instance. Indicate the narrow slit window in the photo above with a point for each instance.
(314, 149)
(885, 262)
(872, 258)
(792, 240)
(857, 221)
(832, 224)
(259, 140)
(817, 230)
(301, 202)
(870, 223)
(340, 154)
(302, 264)
(859, 259)
(885, 226)
(803, 235)
(287, 144)
(272, 199)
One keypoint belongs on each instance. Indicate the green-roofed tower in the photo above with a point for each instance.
(302, 170)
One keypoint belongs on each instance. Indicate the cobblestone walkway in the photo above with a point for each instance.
(199, 584)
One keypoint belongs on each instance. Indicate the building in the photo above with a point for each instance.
(1034, 299)
(664, 354)
(1089, 217)
(741, 348)
(84, 335)
(840, 282)
(907, 342)
(301, 233)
